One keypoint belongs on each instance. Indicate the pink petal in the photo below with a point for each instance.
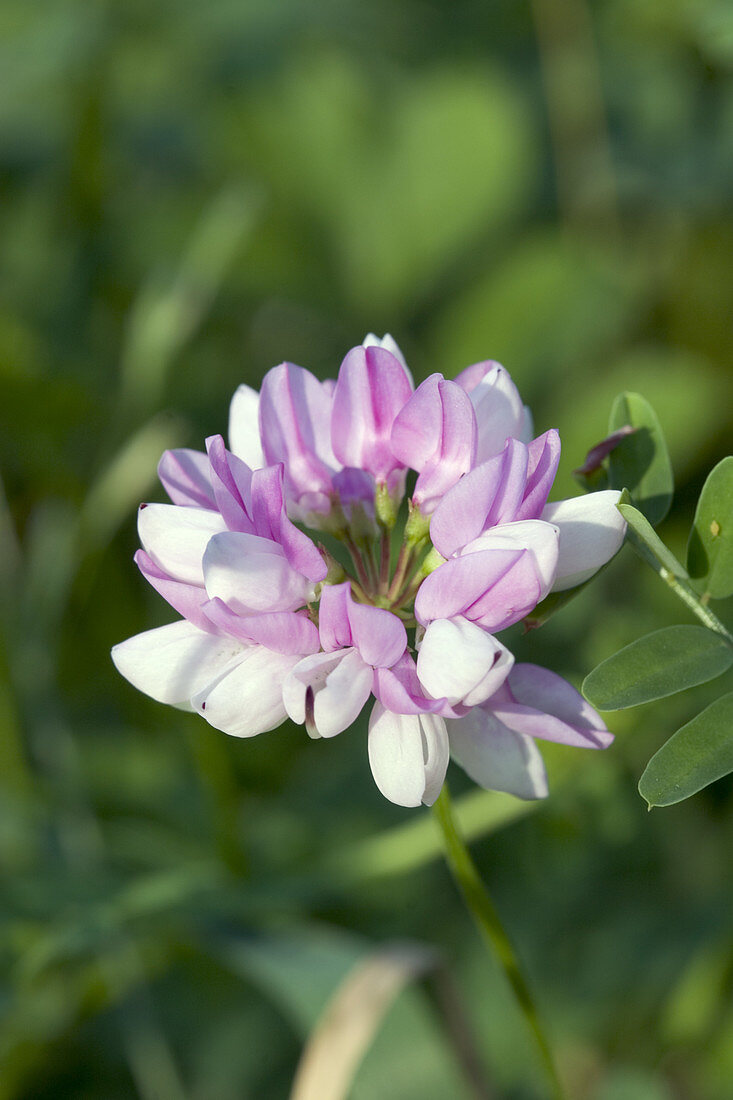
(490, 494)
(543, 704)
(288, 632)
(295, 423)
(399, 689)
(497, 404)
(435, 434)
(371, 389)
(232, 482)
(186, 478)
(544, 456)
(186, 599)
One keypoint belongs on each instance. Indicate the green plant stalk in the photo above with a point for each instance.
(484, 913)
(681, 589)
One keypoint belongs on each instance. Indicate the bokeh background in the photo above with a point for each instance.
(191, 194)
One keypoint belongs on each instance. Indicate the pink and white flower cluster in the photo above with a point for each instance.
(276, 625)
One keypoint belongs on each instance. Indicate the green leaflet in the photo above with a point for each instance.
(645, 534)
(659, 664)
(641, 462)
(696, 755)
(710, 546)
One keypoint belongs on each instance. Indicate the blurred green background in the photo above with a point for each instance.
(191, 194)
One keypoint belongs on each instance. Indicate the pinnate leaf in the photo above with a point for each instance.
(659, 664)
(696, 755)
(710, 546)
(641, 462)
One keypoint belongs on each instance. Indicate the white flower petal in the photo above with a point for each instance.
(244, 427)
(408, 755)
(175, 537)
(173, 662)
(499, 412)
(461, 662)
(538, 535)
(247, 698)
(591, 531)
(340, 684)
(496, 757)
(250, 573)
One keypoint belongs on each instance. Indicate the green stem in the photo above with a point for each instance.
(489, 923)
(403, 564)
(385, 561)
(691, 599)
(361, 570)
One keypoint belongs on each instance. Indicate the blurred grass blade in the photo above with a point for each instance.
(710, 546)
(346, 1028)
(170, 309)
(123, 483)
(696, 755)
(641, 462)
(659, 664)
(651, 544)
(406, 847)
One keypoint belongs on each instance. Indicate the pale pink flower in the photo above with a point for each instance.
(273, 626)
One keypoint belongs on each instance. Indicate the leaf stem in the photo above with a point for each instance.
(484, 913)
(689, 597)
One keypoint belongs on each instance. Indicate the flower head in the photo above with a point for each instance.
(274, 625)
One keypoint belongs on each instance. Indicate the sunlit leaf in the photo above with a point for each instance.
(659, 664)
(710, 546)
(696, 755)
(641, 462)
(651, 544)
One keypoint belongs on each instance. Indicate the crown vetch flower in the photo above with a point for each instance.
(274, 625)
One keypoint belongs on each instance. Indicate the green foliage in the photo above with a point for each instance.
(662, 663)
(641, 462)
(710, 545)
(647, 542)
(697, 754)
(191, 194)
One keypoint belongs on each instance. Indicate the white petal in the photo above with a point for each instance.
(250, 573)
(247, 698)
(499, 412)
(408, 755)
(173, 662)
(591, 531)
(175, 537)
(244, 427)
(340, 684)
(496, 757)
(538, 535)
(461, 662)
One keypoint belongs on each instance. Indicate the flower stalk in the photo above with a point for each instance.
(483, 911)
